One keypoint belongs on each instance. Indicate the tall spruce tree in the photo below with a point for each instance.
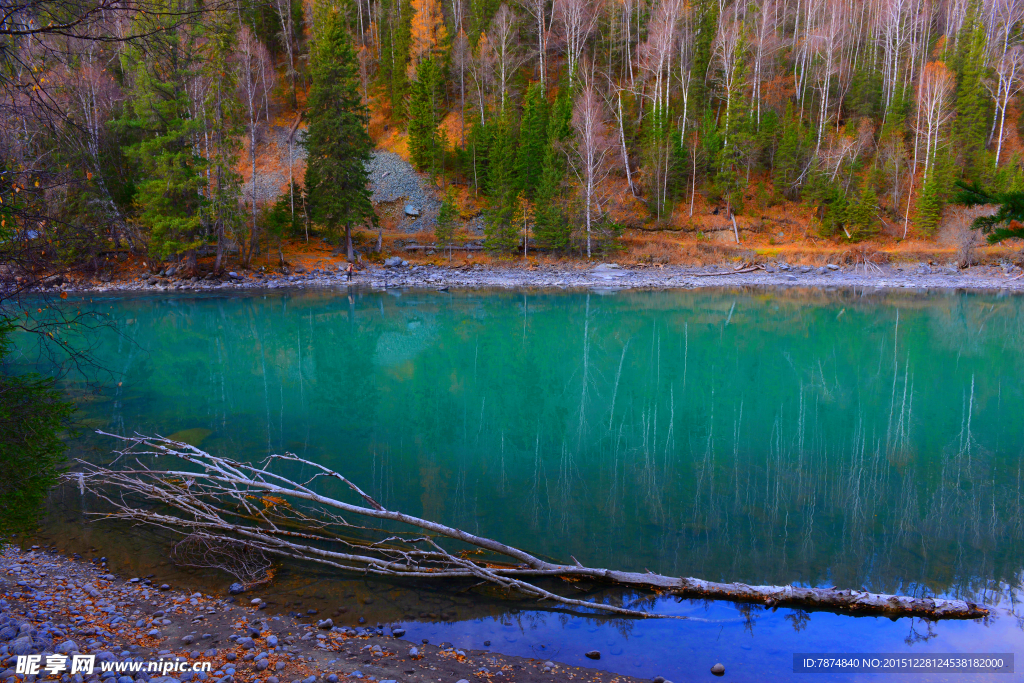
(167, 121)
(972, 102)
(551, 228)
(532, 140)
(423, 105)
(500, 231)
(337, 143)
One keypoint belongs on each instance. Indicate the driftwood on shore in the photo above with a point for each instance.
(447, 247)
(279, 507)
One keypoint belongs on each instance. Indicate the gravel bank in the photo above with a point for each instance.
(392, 179)
(50, 603)
(601, 277)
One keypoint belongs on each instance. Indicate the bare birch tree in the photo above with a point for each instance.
(934, 90)
(588, 156)
(576, 20)
(481, 69)
(765, 44)
(504, 40)
(1009, 70)
(255, 80)
(728, 57)
(283, 9)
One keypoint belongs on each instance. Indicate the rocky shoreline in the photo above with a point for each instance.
(51, 604)
(604, 276)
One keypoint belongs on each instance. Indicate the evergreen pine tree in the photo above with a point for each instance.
(395, 38)
(862, 216)
(171, 193)
(499, 229)
(787, 156)
(972, 101)
(337, 143)
(551, 227)
(533, 138)
(423, 143)
(706, 32)
(444, 228)
(929, 206)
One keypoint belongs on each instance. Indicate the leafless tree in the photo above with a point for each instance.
(934, 89)
(283, 8)
(538, 10)
(1003, 23)
(504, 40)
(244, 561)
(460, 55)
(576, 20)
(255, 80)
(893, 31)
(1009, 78)
(966, 239)
(655, 61)
(827, 39)
(727, 58)
(589, 155)
(292, 508)
(481, 69)
(765, 41)
(620, 120)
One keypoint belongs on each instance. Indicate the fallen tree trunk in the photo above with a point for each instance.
(738, 271)
(223, 500)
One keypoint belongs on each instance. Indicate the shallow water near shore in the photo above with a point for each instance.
(810, 437)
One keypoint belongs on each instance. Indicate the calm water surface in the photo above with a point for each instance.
(824, 438)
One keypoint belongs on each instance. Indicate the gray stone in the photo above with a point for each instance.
(593, 654)
(22, 646)
(279, 666)
(333, 678)
(271, 641)
(185, 640)
(414, 652)
(262, 664)
(246, 642)
(326, 624)
(67, 647)
(393, 261)
(236, 588)
(718, 669)
(398, 632)
(309, 679)
(411, 210)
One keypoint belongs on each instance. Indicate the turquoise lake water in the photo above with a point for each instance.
(843, 438)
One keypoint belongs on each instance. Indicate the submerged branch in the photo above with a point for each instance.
(233, 502)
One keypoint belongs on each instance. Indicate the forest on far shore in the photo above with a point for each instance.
(136, 126)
